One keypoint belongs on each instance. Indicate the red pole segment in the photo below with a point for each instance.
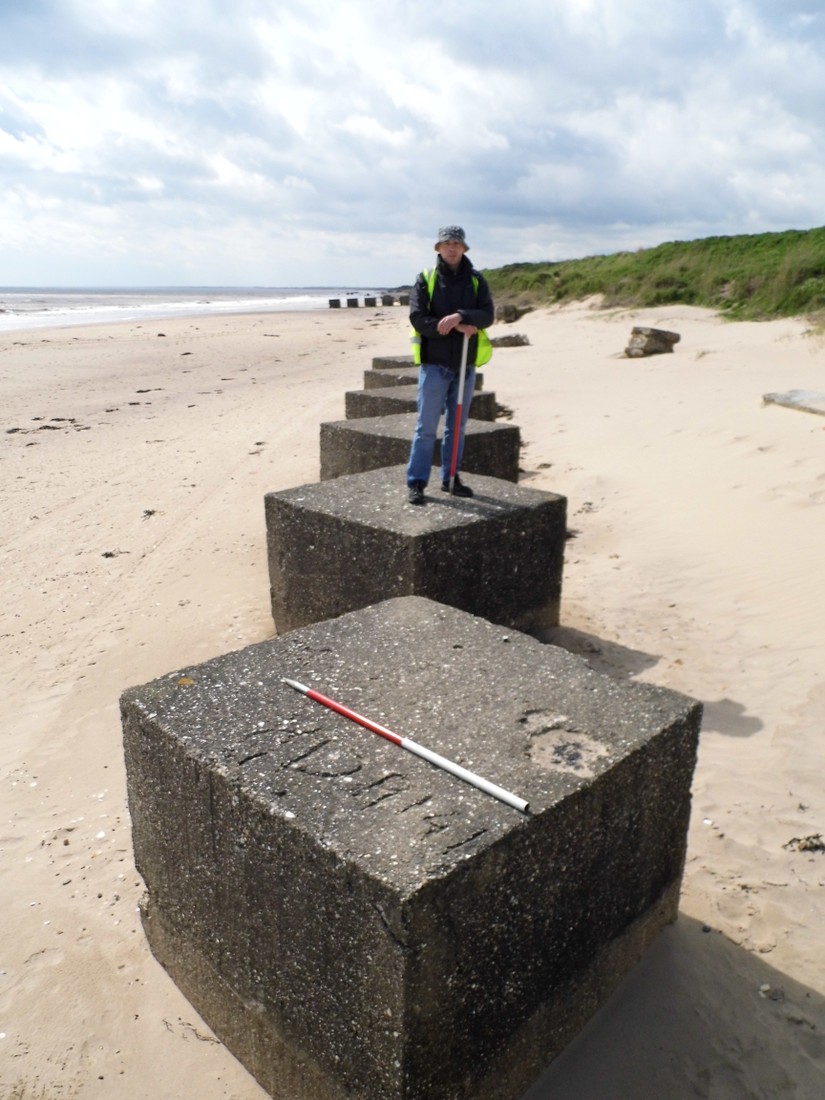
(353, 716)
(456, 433)
(413, 747)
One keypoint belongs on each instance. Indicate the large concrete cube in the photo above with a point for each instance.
(355, 922)
(404, 399)
(379, 379)
(355, 446)
(342, 544)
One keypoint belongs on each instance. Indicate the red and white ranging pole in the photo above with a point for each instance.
(413, 747)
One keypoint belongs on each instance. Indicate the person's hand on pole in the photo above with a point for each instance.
(447, 324)
(454, 321)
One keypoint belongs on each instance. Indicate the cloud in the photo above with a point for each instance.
(324, 142)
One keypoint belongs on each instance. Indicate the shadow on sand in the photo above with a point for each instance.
(611, 658)
(697, 1017)
(724, 716)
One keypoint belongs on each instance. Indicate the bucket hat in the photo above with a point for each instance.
(451, 233)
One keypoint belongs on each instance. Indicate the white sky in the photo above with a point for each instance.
(323, 142)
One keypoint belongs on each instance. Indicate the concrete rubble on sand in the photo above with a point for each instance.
(650, 341)
(812, 401)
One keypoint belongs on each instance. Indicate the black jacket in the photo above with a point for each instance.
(453, 293)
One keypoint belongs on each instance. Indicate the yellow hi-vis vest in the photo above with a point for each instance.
(484, 349)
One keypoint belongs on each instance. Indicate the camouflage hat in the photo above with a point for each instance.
(451, 233)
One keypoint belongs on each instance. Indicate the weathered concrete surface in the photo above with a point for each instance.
(403, 399)
(355, 446)
(378, 379)
(346, 543)
(354, 922)
(812, 401)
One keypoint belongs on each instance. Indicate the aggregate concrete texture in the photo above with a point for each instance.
(355, 922)
(355, 446)
(338, 545)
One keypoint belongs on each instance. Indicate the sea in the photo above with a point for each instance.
(25, 308)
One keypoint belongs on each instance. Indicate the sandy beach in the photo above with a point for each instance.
(135, 459)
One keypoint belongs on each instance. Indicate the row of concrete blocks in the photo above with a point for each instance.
(499, 556)
(380, 420)
(371, 300)
(352, 921)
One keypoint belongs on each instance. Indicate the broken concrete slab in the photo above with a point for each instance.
(513, 340)
(403, 399)
(355, 446)
(352, 921)
(510, 312)
(345, 543)
(650, 341)
(812, 401)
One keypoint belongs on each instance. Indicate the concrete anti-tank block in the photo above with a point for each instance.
(393, 362)
(353, 921)
(342, 544)
(404, 399)
(355, 446)
(378, 379)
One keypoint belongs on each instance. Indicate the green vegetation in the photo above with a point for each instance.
(756, 277)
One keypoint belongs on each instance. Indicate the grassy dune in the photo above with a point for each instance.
(754, 277)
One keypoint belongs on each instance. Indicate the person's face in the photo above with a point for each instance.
(451, 252)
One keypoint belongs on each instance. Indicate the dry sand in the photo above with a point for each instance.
(134, 467)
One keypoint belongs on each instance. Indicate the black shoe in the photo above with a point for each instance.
(459, 488)
(416, 493)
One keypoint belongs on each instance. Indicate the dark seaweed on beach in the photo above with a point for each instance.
(812, 843)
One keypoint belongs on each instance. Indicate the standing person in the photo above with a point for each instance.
(445, 305)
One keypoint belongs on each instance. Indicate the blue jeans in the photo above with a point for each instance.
(437, 392)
